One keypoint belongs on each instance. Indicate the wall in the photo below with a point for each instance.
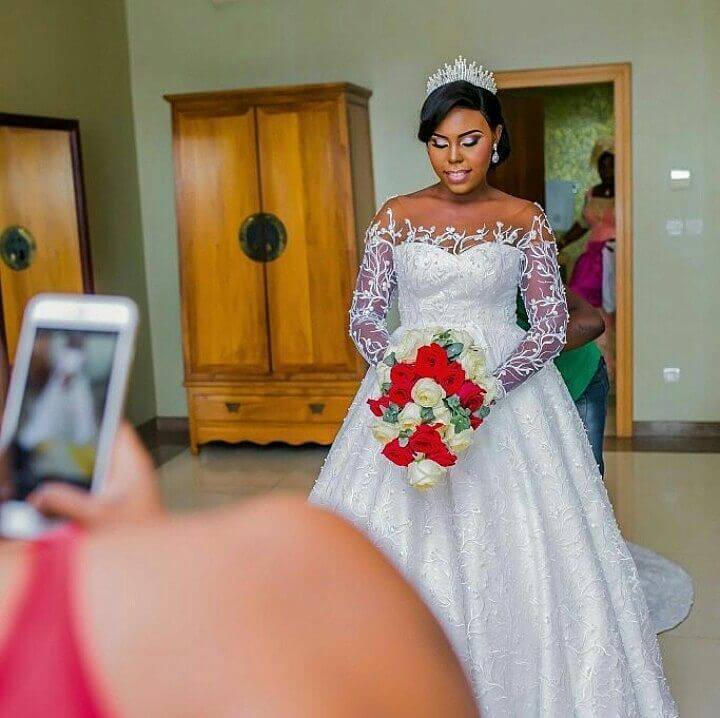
(69, 58)
(190, 45)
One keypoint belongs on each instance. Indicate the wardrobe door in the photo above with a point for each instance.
(224, 309)
(41, 216)
(305, 182)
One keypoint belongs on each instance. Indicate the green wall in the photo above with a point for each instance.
(69, 58)
(190, 45)
(575, 118)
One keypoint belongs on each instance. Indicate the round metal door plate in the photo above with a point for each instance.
(17, 248)
(263, 237)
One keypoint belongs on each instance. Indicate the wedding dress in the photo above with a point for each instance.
(518, 552)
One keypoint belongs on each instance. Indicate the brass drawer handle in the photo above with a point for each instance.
(232, 407)
(316, 408)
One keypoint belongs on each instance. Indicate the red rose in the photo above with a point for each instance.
(400, 455)
(475, 421)
(399, 394)
(471, 395)
(404, 374)
(442, 455)
(378, 406)
(450, 377)
(425, 439)
(429, 359)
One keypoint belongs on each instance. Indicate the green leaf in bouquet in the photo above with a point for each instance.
(483, 411)
(405, 434)
(390, 359)
(452, 402)
(391, 414)
(454, 350)
(385, 388)
(443, 338)
(460, 422)
(427, 414)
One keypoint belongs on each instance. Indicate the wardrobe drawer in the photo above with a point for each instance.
(282, 409)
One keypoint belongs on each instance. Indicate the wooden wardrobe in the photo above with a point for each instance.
(273, 192)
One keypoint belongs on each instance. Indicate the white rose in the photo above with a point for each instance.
(474, 365)
(384, 432)
(427, 392)
(409, 417)
(493, 390)
(430, 332)
(459, 336)
(425, 474)
(406, 349)
(458, 442)
(442, 414)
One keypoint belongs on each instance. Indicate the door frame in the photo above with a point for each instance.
(620, 76)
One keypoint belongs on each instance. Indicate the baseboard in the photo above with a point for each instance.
(679, 429)
(164, 430)
(672, 436)
(692, 437)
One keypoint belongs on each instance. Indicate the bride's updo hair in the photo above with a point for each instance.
(463, 94)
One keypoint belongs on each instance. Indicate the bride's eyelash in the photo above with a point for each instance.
(468, 143)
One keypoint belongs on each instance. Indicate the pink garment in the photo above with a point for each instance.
(599, 217)
(43, 669)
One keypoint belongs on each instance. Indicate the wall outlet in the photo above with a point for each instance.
(694, 226)
(674, 227)
(671, 375)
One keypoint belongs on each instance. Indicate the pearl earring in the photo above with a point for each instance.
(495, 156)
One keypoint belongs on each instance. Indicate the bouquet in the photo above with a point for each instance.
(434, 393)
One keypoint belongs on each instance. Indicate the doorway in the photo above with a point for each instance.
(533, 102)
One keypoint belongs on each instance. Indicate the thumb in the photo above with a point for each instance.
(66, 502)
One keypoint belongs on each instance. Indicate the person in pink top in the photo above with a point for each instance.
(598, 220)
(270, 608)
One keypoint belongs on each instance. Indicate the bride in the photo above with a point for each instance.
(518, 552)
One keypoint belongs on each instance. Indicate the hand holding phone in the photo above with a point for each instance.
(130, 493)
(65, 400)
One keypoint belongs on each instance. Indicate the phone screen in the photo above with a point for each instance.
(61, 410)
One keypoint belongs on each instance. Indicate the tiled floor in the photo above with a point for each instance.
(667, 502)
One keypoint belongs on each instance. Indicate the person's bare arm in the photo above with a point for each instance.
(572, 235)
(585, 322)
(273, 608)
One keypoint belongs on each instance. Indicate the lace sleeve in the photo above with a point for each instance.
(544, 297)
(374, 288)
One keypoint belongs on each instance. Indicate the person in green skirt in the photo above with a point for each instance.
(582, 367)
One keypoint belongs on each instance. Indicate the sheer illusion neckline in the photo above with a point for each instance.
(451, 240)
(456, 254)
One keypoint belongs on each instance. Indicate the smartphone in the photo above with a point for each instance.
(65, 400)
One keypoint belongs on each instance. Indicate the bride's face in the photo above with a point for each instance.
(460, 149)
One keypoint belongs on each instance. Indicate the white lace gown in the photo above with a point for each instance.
(518, 553)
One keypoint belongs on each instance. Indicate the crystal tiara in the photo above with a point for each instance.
(460, 70)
